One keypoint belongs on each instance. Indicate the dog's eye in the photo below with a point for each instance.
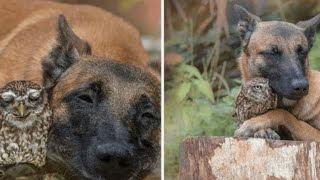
(147, 120)
(300, 50)
(147, 115)
(86, 98)
(274, 51)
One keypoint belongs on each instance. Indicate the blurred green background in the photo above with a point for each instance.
(201, 73)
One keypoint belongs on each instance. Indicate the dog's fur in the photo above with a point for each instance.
(278, 51)
(105, 99)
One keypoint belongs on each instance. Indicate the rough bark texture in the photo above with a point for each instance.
(235, 158)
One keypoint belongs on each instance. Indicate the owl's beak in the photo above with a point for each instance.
(22, 109)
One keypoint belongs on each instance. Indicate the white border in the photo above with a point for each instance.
(162, 90)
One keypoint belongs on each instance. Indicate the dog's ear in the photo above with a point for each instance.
(247, 23)
(310, 28)
(67, 51)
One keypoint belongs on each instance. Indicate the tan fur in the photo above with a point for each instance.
(29, 21)
(303, 120)
(260, 40)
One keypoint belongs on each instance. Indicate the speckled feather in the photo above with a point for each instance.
(250, 104)
(27, 144)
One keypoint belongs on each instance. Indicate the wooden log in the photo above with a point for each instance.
(229, 158)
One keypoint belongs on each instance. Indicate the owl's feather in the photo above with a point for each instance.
(23, 137)
(251, 103)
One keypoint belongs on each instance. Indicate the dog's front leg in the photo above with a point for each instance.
(300, 130)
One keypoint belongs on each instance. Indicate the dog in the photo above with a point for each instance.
(278, 51)
(105, 98)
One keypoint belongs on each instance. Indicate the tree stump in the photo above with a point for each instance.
(228, 158)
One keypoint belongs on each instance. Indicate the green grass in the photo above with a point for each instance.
(314, 55)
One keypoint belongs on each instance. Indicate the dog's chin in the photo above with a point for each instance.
(95, 172)
(288, 102)
(82, 170)
(91, 167)
(292, 97)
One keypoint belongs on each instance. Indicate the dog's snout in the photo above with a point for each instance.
(300, 87)
(115, 156)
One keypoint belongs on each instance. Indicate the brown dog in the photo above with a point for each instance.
(278, 51)
(105, 99)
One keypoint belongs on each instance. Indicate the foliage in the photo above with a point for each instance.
(314, 55)
(192, 107)
(191, 111)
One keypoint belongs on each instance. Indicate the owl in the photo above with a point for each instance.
(25, 117)
(256, 98)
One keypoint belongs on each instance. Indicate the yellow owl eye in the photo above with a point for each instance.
(257, 87)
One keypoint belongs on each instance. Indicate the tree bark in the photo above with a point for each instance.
(236, 158)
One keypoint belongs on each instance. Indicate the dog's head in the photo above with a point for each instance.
(277, 51)
(106, 114)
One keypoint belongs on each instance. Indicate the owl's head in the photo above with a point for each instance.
(21, 102)
(257, 89)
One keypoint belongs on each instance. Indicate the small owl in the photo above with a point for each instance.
(255, 98)
(25, 117)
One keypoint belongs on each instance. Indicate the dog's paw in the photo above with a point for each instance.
(251, 126)
(244, 130)
(266, 134)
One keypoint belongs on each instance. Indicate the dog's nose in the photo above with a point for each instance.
(300, 86)
(115, 157)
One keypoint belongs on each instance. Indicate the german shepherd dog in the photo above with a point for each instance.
(278, 51)
(105, 98)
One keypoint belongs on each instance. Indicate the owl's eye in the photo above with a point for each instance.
(7, 98)
(34, 96)
(257, 87)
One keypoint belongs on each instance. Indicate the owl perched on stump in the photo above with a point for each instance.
(256, 98)
(25, 117)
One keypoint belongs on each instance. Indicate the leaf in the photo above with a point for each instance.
(182, 90)
(191, 70)
(205, 88)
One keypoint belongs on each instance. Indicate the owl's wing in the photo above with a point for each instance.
(274, 98)
(239, 106)
(239, 99)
